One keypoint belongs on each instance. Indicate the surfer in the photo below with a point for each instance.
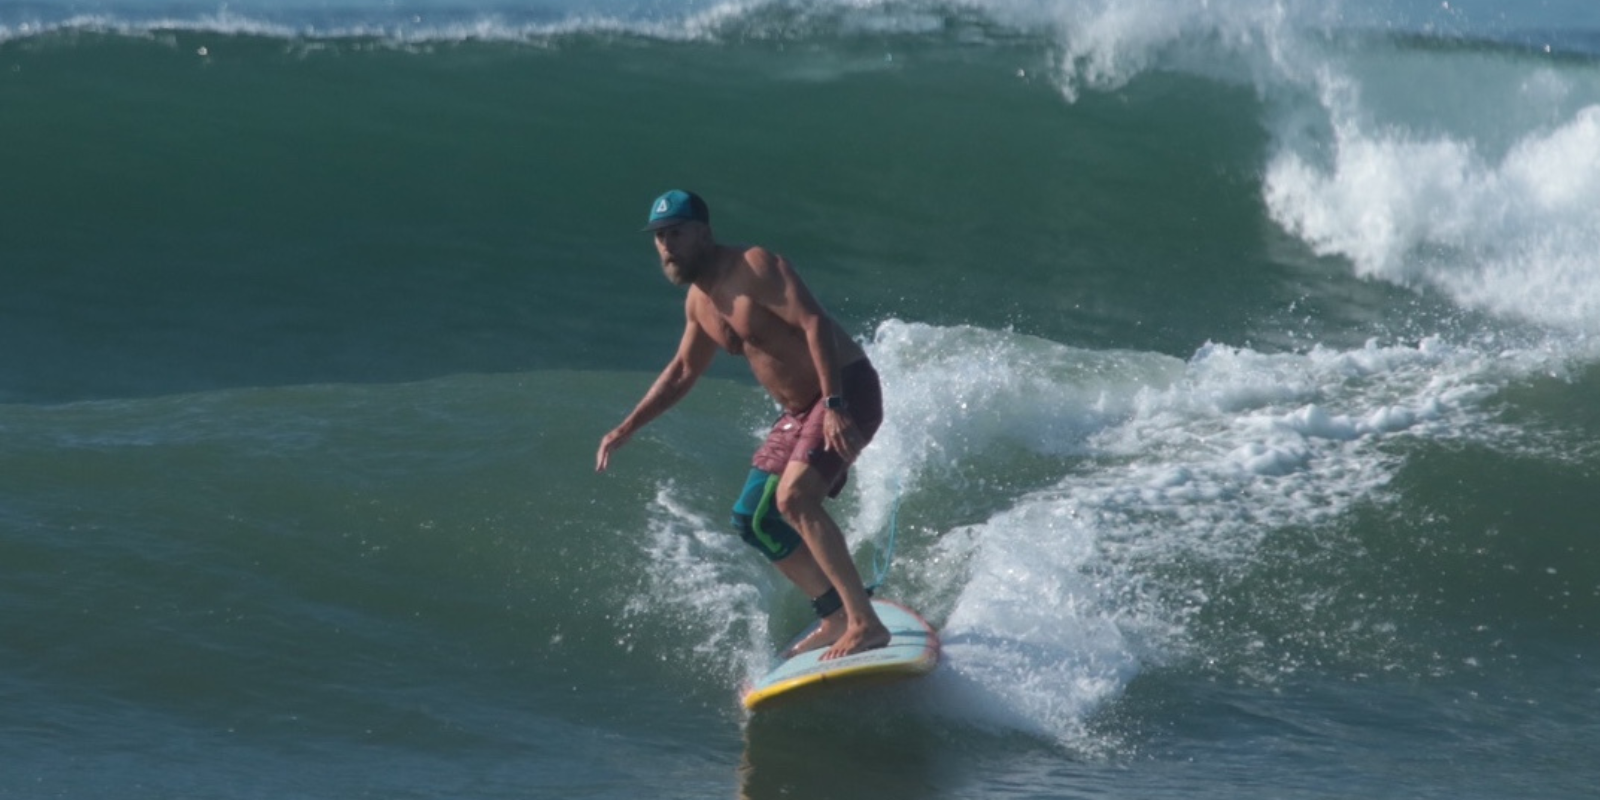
(750, 302)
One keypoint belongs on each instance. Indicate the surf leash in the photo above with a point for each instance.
(883, 559)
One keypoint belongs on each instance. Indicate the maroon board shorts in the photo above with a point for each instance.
(798, 437)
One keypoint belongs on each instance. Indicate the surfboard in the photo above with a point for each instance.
(913, 650)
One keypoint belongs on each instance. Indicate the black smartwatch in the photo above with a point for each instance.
(835, 402)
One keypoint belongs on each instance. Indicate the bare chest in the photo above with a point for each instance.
(737, 324)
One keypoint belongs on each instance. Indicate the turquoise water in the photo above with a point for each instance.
(1240, 371)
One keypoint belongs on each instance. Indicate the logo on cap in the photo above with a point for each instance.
(677, 206)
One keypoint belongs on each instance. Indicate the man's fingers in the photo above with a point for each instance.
(843, 442)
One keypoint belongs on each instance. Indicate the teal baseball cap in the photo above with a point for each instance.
(677, 206)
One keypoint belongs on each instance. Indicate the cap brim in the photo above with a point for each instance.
(658, 224)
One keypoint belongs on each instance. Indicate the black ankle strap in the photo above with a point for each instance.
(827, 603)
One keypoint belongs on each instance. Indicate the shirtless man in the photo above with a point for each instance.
(750, 302)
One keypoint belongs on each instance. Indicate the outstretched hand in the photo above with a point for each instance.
(608, 443)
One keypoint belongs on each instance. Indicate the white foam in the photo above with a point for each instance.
(701, 586)
(1492, 198)
(1518, 237)
(444, 23)
(1033, 643)
(1067, 591)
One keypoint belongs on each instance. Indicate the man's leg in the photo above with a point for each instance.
(801, 568)
(800, 496)
(756, 517)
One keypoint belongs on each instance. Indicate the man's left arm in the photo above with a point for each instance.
(792, 302)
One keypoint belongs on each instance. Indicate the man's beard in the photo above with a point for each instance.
(683, 272)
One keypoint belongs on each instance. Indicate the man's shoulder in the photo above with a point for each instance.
(761, 261)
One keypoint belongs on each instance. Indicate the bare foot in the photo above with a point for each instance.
(827, 633)
(857, 640)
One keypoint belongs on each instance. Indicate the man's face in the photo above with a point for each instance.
(685, 251)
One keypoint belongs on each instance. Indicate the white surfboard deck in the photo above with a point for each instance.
(913, 650)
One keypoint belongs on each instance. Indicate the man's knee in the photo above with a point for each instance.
(794, 503)
(799, 495)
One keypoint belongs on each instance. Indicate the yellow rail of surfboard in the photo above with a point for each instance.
(847, 674)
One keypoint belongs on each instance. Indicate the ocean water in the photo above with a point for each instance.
(1242, 370)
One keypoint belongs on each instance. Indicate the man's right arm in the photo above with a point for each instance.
(695, 353)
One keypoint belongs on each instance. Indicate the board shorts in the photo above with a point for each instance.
(799, 437)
